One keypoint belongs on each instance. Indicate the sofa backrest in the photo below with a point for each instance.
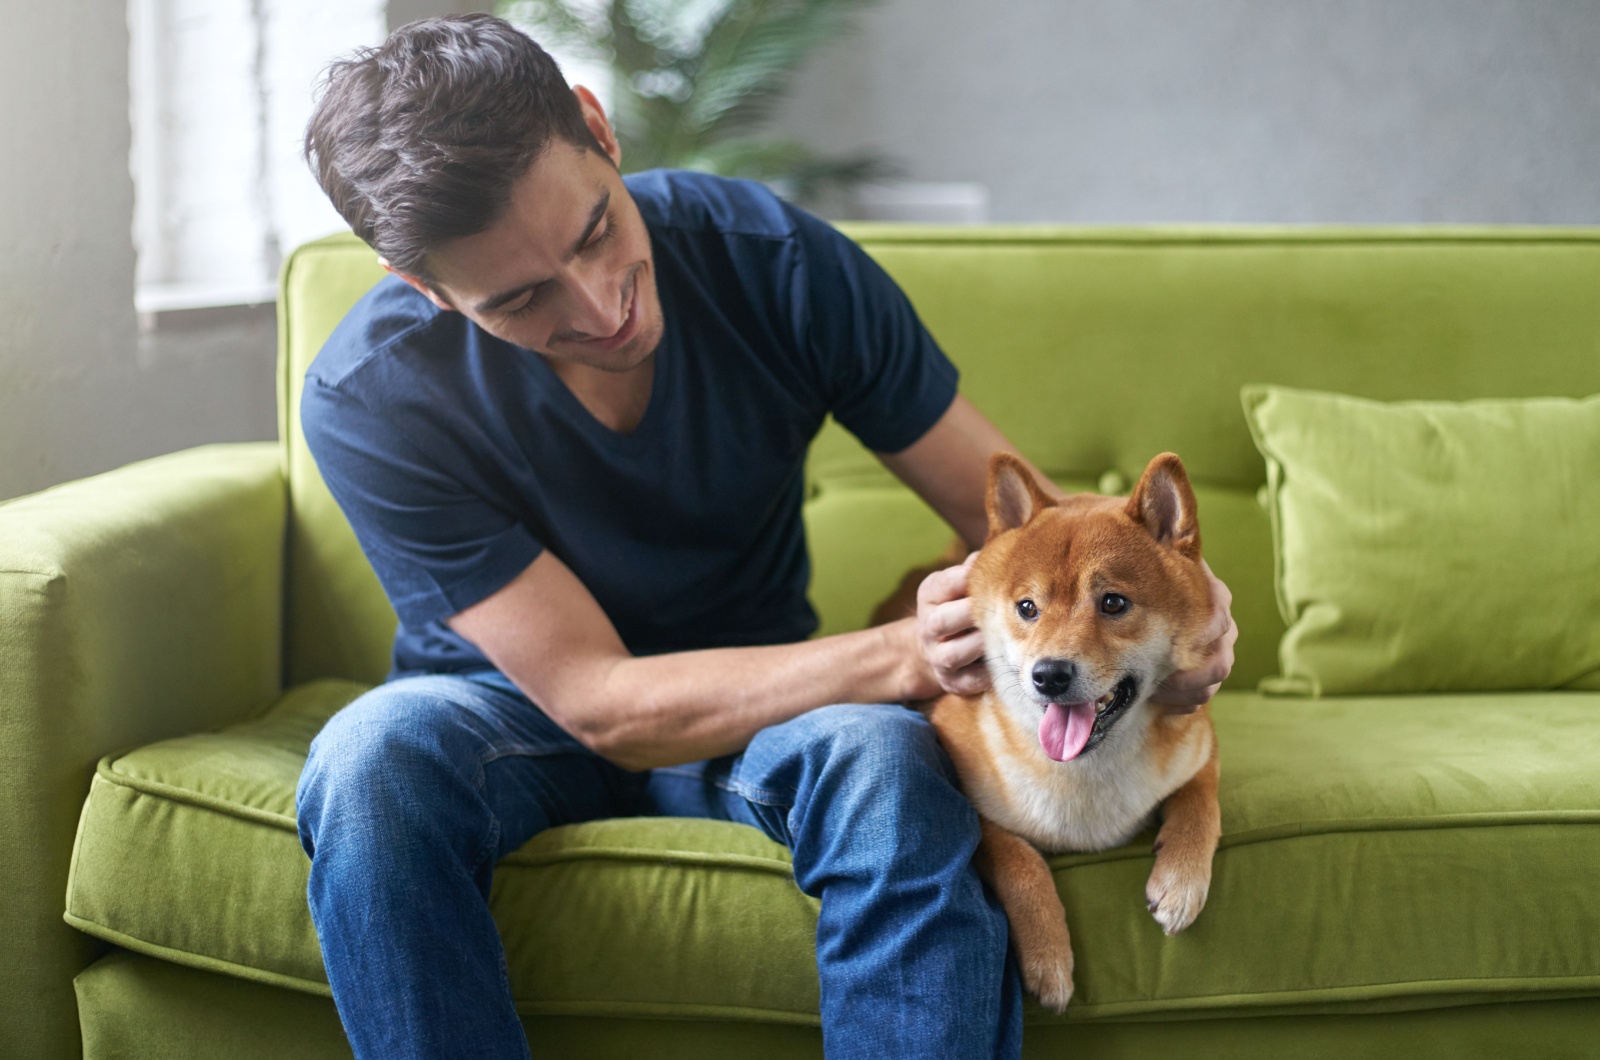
(1093, 349)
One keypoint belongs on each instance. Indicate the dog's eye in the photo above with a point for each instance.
(1027, 609)
(1113, 603)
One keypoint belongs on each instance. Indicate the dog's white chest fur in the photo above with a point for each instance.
(1101, 799)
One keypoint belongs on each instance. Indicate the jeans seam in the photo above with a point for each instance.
(494, 754)
(490, 840)
(778, 799)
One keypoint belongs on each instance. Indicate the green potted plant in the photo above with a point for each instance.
(693, 82)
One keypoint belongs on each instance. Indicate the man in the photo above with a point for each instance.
(569, 435)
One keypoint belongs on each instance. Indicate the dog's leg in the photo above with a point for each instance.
(1027, 891)
(1191, 826)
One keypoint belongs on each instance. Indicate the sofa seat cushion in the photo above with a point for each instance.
(1378, 853)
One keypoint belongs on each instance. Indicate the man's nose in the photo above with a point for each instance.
(598, 303)
(1052, 677)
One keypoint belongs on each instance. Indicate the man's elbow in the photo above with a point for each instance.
(610, 738)
(620, 752)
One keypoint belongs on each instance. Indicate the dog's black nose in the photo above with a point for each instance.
(1052, 677)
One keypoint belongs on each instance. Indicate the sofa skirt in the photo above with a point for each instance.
(134, 1007)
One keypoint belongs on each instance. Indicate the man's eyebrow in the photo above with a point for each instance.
(494, 302)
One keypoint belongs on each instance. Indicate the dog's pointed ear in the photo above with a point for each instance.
(1014, 497)
(1163, 503)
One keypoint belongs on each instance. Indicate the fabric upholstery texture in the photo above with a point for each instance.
(1094, 349)
(132, 1005)
(1343, 820)
(1428, 546)
(134, 605)
(171, 598)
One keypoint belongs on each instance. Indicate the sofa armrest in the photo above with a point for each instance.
(134, 605)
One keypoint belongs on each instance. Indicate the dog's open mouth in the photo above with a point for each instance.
(1067, 730)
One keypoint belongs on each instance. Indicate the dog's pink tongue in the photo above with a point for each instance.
(1065, 728)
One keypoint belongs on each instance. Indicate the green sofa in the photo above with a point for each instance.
(1401, 875)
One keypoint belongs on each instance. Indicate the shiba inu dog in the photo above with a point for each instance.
(1085, 606)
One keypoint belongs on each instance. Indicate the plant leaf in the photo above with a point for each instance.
(694, 79)
(556, 23)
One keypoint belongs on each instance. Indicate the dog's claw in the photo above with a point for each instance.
(1174, 896)
(1049, 978)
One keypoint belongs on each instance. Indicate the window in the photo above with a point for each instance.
(221, 90)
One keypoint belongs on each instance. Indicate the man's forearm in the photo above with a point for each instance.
(668, 709)
(545, 631)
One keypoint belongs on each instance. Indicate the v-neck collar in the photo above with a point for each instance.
(577, 412)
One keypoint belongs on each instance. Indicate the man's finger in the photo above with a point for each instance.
(1181, 699)
(948, 619)
(1220, 593)
(1217, 626)
(1210, 673)
(1221, 602)
(1196, 686)
(1221, 649)
(956, 653)
(969, 680)
(1191, 703)
(943, 586)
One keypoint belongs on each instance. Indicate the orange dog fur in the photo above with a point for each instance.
(1085, 605)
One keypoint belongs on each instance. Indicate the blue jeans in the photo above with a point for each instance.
(413, 792)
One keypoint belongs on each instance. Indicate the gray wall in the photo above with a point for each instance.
(1228, 110)
(82, 389)
(77, 393)
(1068, 110)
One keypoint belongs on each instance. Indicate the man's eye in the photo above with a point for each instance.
(525, 308)
(601, 237)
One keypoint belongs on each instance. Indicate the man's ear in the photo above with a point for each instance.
(1163, 503)
(594, 116)
(1014, 497)
(420, 284)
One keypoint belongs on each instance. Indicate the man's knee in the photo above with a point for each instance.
(877, 798)
(882, 739)
(873, 760)
(391, 749)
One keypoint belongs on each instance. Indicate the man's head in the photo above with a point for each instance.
(458, 152)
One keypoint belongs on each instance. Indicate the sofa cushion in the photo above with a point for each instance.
(1377, 853)
(1094, 349)
(1428, 546)
(873, 533)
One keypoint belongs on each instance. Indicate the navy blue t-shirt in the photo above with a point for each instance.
(458, 457)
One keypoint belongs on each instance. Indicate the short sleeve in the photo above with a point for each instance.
(883, 376)
(437, 547)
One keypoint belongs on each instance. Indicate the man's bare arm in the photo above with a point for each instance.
(549, 635)
(949, 467)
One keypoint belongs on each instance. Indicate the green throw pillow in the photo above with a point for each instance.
(1430, 546)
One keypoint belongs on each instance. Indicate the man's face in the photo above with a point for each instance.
(566, 270)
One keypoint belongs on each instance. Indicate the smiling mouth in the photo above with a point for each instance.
(628, 328)
(1067, 730)
(1111, 706)
(626, 332)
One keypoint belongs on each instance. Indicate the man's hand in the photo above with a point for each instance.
(949, 640)
(1188, 690)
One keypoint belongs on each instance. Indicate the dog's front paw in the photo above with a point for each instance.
(1048, 976)
(1177, 892)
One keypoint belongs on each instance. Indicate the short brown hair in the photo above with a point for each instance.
(418, 141)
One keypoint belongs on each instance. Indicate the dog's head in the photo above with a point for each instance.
(1086, 604)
